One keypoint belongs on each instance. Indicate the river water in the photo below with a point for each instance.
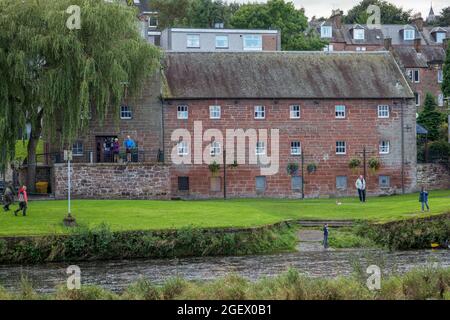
(311, 260)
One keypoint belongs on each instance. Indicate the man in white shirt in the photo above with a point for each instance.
(361, 186)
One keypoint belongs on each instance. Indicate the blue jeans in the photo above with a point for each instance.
(325, 241)
(425, 203)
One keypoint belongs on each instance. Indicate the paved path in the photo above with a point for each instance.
(310, 240)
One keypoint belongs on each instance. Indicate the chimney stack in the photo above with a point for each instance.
(418, 44)
(418, 21)
(388, 44)
(336, 18)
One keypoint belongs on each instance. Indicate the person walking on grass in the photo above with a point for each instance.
(423, 199)
(8, 198)
(23, 201)
(361, 186)
(325, 236)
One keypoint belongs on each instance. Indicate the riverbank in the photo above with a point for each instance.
(418, 284)
(101, 243)
(45, 217)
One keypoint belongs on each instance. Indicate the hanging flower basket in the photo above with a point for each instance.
(354, 164)
(292, 168)
(214, 168)
(374, 165)
(311, 168)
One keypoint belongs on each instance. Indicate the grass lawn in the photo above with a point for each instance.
(22, 149)
(45, 217)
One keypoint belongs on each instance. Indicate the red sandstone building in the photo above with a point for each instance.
(327, 107)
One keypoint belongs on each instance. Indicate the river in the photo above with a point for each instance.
(312, 261)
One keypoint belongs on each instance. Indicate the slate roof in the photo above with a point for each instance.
(278, 75)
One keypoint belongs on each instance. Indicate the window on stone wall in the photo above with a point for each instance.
(294, 112)
(215, 149)
(384, 147)
(260, 148)
(440, 100)
(296, 148)
(341, 182)
(183, 148)
(182, 112)
(296, 183)
(417, 98)
(340, 112)
(261, 184)
(126, 113)
(183, 183)
(440, 76)
(384, 181)
(193, 41)
(413, 75)
(214, 112)
(77, 149)
(216, 184)
(341, 147)
(260, 112)
(383, 111)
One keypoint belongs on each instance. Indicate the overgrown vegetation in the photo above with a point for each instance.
(418, 284)
(347, 238)
(101, 243)
(417, 233)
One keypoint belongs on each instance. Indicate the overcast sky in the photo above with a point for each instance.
(323, 8)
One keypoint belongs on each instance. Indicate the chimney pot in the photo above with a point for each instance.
(336, 18)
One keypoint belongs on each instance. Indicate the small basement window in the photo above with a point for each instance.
(384, 181)
(260, 184)
(296, 183)
(183, 183)
(341, 182)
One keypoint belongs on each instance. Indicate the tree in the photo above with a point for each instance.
(52, 76)
(281, 15)
(390, 14)
(444, 18)
(431, 118)
(171, 13)
(206, 13)
(446, 74)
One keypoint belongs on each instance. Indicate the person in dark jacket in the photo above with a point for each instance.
(116, 150)
(8, 198)
(325, 236)
(423, 199)
(23, 201)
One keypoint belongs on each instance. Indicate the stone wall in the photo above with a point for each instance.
(433, 176)
(113, 181)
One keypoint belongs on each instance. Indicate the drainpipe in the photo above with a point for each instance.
(403, 144)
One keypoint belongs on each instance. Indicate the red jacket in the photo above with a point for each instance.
(25, 195)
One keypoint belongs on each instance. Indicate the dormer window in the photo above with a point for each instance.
(440, 36)
(325, 32)
(358, 34)
(409, 34)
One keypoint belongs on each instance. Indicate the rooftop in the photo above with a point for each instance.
(279, 75)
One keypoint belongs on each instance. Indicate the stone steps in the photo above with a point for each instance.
(331, 223)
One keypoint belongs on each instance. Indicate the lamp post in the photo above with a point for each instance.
(69, 221)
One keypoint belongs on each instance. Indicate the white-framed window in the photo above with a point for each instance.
(193, 41)
(326, 32)
(294, 111)
(384, 147)
(183, 148)
(260, 112)
(214, 112)
(182, 112)
(126, 113)
(260, 148)
(417, 98)
(409, 34)
(440, 75)
(340, 112)
(383, 111)
(441, 100)
(77, 149)
(215, 148)
(222, 42)
(153, 22)
(358, 34)
(361, 48)
(440, 36)
(384, 181)
(296, 148)
(413, 75)
(252, 42)
(341, 147)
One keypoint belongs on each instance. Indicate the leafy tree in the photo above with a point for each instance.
(53, 76)
(431, 118)
(281, 15)
(444, 18)
(171, 13)
(205, 13)
(390, 14)
(446, 74)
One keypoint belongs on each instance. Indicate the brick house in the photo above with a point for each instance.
(419, 49)
(327, 107)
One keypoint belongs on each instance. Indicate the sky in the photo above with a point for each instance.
(323, 8)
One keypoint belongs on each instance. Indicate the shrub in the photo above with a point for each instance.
(142, 290)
